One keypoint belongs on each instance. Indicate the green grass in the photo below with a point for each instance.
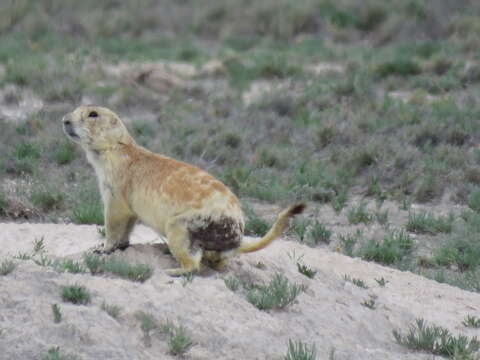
(94, 263)
(348, 242)
(471, 321)
(65, 153)
(68, 265)
(88, 213)
(179, 339)
(254, 225)
(298, 350)
(306, 270)
(392, 249)
(437, 340)
(112, 310)
(425, 223)
(46, 199)
(6, 267)
(277, 294)
(57, 314)
(232, 283)
(54, 353)
(357, 282)
(360, 214)
(370, 303)
(76, 294)
(135, 272)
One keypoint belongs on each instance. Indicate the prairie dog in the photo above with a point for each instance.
(199, 215)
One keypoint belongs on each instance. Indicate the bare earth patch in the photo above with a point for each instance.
(222, 324)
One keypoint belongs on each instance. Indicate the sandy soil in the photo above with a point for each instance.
(222, 323)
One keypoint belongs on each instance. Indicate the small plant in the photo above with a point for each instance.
(88, 213)
(349, 241)
(23, 256)
(232, 283)
(358, 282)
(44, 260)
(64, 154)
(392, 249)
(382, 217)
(6, 267)
(437, 340)
(46, 199)
(94, 263)
(319, 233)
(255, 225)
(102, 231)
(471, 321)
(38, 245)
(278, 294)
(305, 270)
(425, 223)
(147, 324)
(112, 310)
(178, 340)
(382, 282)
(57, 315)
(370, 303)
(359, 214)
(187, 278)
(69, 265)
(135, 272)
(76, 294)
(299, 228)
(473, 200)
(298, 350)
(54, 354)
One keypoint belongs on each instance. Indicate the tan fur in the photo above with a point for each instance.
(170, 196)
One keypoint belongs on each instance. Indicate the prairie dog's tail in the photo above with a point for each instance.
(274, 232)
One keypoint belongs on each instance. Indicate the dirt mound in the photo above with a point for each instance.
(222, 324)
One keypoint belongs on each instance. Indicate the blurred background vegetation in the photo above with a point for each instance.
(320, 100)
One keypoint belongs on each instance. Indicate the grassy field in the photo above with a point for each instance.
(349, 105)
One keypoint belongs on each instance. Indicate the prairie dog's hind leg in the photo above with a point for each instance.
(179, 245)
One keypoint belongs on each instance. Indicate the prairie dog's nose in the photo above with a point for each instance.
(67, 119)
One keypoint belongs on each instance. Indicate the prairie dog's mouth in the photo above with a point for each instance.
(67, 125)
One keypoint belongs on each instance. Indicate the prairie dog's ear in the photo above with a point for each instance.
(113, 120)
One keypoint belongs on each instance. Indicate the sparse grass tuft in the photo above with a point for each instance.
(437, 340)
(135, 272)
(471, 321)
(88, 213)
(57, 315)
(359, 214)
(426, 223)
(69, 265)
(305, 270)
(254, 224)
(348, 242)
(46, 199)
(394, 247)
(382, 282)
(76, 294)
(54, 353)
(358, 282)
(179, 340)
(232, 283)
(6, 267)
(112, 310)
(64, 154)
(94, 263)
(473, 200)
(278, 294)
(298, 350)
(370, 303)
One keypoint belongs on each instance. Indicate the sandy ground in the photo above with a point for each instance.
(222, 324)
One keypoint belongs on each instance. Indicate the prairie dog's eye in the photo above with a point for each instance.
(93, 114)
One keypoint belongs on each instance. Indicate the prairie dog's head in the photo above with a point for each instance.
(95, 127)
